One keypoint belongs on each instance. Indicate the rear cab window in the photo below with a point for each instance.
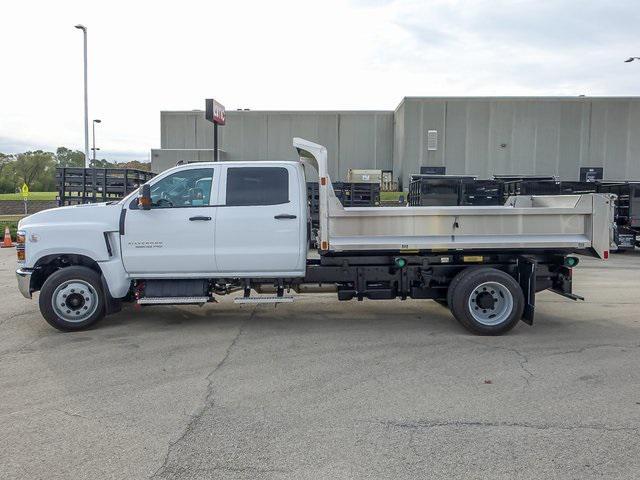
(251, 186)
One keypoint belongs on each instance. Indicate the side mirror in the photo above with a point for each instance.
(144, 197)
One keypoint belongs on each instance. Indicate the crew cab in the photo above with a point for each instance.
(202, 230)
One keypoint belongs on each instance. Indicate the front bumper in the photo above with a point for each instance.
(24, 281)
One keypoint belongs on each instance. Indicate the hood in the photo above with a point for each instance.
(98, 213)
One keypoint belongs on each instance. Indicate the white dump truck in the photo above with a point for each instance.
(202, 230)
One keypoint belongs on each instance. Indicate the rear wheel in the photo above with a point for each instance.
(486, 301)
(72, 298)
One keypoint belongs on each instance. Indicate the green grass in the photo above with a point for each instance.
(390, 196)
(32, 196)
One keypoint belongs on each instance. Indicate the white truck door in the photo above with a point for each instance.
(176, 235)
(260, 228)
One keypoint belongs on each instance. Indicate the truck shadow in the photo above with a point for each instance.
(304, 315)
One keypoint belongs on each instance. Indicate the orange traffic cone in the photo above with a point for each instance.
(7, 243)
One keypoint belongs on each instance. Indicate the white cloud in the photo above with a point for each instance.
(365, 54)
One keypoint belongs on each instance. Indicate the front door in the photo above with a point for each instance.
(259, 228)
(176, 236)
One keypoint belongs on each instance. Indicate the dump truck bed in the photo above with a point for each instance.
(554, 222)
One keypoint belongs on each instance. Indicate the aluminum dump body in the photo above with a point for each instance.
(555, 222)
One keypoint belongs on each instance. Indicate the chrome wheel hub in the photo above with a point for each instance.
(490, 303)
(74, 301)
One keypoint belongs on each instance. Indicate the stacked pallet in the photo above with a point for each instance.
(350, 195)
(77, 185)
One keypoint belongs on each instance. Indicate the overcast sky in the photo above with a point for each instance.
(361, 54)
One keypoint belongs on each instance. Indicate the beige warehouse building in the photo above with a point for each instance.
(480, 136)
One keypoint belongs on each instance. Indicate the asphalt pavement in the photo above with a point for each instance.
(321, 389)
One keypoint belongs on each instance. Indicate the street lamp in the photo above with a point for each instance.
(631, 59)
(86, 98)
(95, 120)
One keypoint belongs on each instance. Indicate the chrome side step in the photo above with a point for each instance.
(172, 300)
(264, 299)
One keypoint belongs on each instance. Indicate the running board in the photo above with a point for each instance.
(172, 300)
(263, 299)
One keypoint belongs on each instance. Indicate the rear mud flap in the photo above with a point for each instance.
(527, 281)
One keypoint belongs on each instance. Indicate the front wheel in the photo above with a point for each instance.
(72, 299)
(487, 301)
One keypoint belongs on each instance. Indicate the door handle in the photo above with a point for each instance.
(284, 216)
(206, 219)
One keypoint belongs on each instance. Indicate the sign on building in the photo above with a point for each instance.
(214, 111)
(591, 174)
(432, 140)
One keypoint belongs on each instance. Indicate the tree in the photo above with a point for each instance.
(146, 166)
(5, 161)
(97, 163)
(69, 158)
(31, 167)
(7, 173)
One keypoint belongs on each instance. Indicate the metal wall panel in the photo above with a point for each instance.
(353, 139)
(633, 148)
(549, 136)
(398, 133)
(162, 159)
(478, 136)
(177, 129)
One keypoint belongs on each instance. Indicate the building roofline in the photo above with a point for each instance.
(527, 98)
(289, 112)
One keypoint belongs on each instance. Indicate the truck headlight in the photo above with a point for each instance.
(20, 245)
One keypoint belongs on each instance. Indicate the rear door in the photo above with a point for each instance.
(259, 228)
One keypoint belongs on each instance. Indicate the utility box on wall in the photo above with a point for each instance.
(356, 175)
(432, 140)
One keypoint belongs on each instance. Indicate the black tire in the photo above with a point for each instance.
(64, 278)
(456, 281)
(507, 297)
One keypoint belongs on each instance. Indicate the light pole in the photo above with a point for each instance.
(631, 59)
(86, 98)
(95, 120)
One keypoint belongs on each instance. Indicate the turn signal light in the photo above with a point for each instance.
(20, 245)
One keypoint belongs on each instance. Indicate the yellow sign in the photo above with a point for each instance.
(25, 190)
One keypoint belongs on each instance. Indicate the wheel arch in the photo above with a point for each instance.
(49, 264)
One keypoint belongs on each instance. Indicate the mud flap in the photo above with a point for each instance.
(527, 281)
(111, 305)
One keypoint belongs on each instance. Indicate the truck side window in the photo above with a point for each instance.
(257, 186)
(186, 188)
